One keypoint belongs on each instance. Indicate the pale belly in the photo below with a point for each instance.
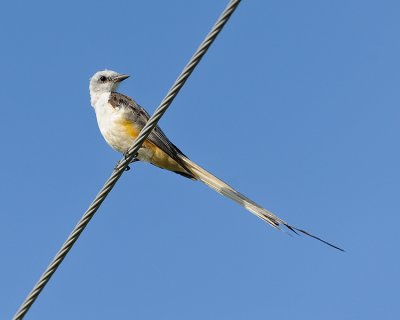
(121, 140)
(119, 133)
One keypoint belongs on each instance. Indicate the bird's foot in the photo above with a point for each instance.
(126, 156)
(118, 163)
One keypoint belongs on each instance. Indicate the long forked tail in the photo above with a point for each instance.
(226, 190)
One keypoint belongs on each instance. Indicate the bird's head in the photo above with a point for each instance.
(105, 81)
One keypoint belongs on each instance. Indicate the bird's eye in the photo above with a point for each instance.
(103, 78)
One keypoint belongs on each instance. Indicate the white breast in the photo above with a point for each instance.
(109, 120)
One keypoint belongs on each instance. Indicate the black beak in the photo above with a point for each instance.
(120, 77)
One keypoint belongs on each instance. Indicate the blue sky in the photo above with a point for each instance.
(296, 104)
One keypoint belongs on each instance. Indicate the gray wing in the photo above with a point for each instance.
(140, 116)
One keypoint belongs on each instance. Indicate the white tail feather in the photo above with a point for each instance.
(226, 190)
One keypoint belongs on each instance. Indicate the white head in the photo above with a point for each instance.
(103, 82)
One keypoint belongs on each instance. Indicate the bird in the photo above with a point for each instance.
(120, 120)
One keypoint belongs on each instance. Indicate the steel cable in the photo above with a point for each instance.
(122, 164)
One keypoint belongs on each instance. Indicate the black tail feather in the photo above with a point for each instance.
(296, 231)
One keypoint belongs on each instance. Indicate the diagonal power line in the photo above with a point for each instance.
(122, 165)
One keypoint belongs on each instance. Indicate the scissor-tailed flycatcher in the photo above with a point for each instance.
(120, 120)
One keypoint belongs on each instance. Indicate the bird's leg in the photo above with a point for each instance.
(126, 156)
(132, 161)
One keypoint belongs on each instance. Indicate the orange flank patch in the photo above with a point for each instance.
(159, 158)
(129, 128)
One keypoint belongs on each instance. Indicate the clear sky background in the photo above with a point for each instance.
(296, 104)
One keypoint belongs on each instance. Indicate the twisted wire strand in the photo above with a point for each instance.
(129, 156)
